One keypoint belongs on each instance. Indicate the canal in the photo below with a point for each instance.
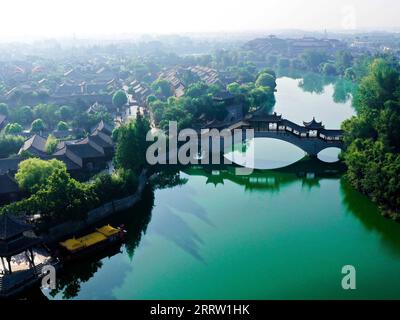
(276, 234)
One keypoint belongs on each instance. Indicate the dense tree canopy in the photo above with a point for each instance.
(13, 128)
(10, 145)
(312, 59)
(62, 126)
(372, 137)
(119, 99)
(38, 125)
(131, 147)
(33, 173)
(162, 88)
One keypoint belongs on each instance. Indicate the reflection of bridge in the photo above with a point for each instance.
(312, 137)
(308, 170)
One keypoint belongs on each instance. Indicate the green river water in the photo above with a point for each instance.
(276, 234)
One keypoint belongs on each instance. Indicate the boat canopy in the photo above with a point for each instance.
(83, 242)
(92, 239)
(108, 230)
(72, 244)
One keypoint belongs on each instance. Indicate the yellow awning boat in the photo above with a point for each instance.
(103, 234)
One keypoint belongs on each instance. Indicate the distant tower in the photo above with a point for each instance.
(325, 34)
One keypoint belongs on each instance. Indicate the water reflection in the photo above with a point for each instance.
(371, 218)
(309, 170)
(315, 83)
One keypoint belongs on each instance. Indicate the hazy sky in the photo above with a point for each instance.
(20, 18)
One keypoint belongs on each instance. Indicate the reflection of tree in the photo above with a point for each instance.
(167, 177)
(135, 221)
(313, 83)
(369, 215)
(343, 90)
(69, 283)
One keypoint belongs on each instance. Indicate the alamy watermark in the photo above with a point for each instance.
(48, 277)
(206, 146)
(349, 280)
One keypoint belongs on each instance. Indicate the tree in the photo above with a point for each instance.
(62, 126)
(329, 69)
(344, 60)
(33, 173)
(47, 112)
(234, 88)
(131, 147)
(312, 59)
(23, 115)
(60, 198)
(37, 126)
(372, 143)
(51, 144)
(162, 88)
(266, 80)
(13, 128)
(262, 97)
(10, 144)
(119, 99)
(66, 113)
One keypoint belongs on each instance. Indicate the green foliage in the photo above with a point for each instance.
(59, 191)
(162, 88)
(312, 59)
(62, 126)
(13, 128)
(372, 138)
(131, 147)
(119, 99)
(10, 144)
(329, 69)
(46, 112)
(23, 115)
(37, 126)
(33, 173)
(196, 103)
(65, 113)
(87, 121)
(266, 80)
(379, 86)
(343, 60)
(51, 144)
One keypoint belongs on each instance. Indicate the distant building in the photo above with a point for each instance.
(294, 47)
(35, 145)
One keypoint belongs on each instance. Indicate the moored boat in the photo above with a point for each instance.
(102, 238)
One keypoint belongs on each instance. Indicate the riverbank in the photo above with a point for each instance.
(98, 214)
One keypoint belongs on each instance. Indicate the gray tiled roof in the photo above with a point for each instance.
(36, 145)
(11, 227)
(8, 184)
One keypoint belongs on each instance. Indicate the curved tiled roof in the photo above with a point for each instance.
(11, 227)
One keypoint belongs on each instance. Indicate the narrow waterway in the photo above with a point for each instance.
(276, 234)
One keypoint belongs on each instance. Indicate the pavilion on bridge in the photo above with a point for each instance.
(262, 121)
